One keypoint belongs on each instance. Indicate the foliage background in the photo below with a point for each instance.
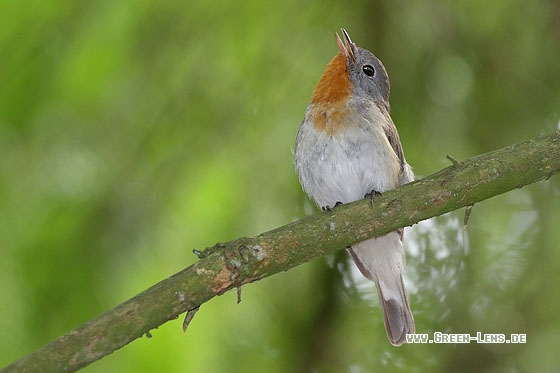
(132, 132)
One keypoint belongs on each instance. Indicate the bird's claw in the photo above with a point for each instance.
(371, 195)
(329, 208)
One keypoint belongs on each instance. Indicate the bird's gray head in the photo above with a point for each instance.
(365, 71)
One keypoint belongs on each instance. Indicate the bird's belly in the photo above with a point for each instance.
(346, 166)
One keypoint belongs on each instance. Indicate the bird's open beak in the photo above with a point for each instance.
(346, 46)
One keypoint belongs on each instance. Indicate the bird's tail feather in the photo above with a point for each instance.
(381, 259)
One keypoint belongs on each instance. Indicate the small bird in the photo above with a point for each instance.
(348, 148)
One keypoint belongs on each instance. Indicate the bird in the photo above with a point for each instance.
(348, 148)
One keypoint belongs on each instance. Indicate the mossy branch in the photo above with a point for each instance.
(230, 265)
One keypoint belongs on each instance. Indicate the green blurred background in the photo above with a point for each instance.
(132, 132)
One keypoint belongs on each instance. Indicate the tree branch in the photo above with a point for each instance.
(229, 265)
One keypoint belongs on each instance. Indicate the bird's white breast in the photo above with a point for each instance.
(345, 165)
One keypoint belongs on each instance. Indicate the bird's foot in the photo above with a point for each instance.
(328, 208)
(371, 195)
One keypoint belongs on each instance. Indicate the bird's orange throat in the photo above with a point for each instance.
(334, 84)
(328, 108)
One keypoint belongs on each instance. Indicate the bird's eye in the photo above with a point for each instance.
(368, 70)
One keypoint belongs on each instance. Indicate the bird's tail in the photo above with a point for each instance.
(381, 259)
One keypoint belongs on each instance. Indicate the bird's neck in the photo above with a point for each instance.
(334, 85)
(328, 109)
